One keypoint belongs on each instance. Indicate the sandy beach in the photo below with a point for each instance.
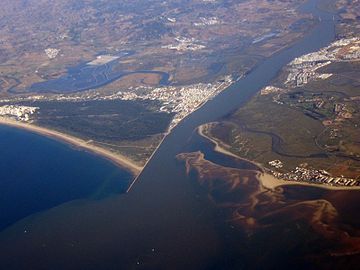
(117, 159)
(267, 180)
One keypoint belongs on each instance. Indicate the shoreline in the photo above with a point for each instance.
(148, 160)
(119, 160)
(267, 180)
(168, 131)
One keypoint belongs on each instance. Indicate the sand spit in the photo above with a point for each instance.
(267, 180)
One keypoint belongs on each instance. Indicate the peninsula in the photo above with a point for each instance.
(263, 175)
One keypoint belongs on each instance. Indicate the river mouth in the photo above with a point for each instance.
(166, 220)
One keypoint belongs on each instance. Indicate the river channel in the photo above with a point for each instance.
(165, 221)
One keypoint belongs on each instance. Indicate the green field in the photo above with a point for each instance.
(133, 128)
(294, 126)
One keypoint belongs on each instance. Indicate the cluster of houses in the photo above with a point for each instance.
(302, 174)
(21, 113)
(184, 44)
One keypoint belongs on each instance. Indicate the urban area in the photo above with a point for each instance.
(303, 174)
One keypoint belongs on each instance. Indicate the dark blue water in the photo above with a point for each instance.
(164, 222)
(37, 173)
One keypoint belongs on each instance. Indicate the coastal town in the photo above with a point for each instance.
(332, 109)
(304, 69)
(304, 174)
(336, 110)
(177, 100)
(20, 113)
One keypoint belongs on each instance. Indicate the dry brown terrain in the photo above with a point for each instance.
(80, 30)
